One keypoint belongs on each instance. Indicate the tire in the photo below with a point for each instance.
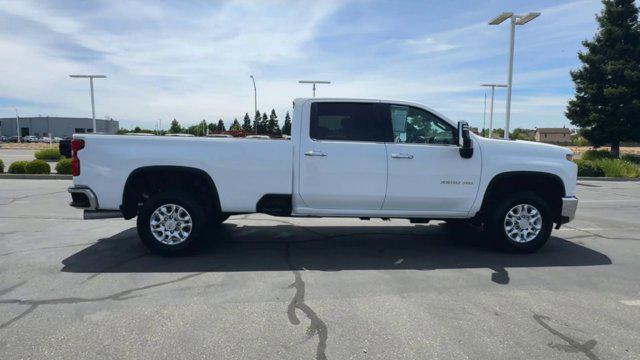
(514, 226)
(175, 242)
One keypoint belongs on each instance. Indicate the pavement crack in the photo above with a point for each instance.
(119, 296)
(317, 326)
(593, 234)
(12, 200)
(573, 346)
(46, 248)
(11, 288)
(116, 265)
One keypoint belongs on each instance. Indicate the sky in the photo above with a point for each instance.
(191, 60)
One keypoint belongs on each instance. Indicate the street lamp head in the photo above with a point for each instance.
(314, 82)
(494, 85)
(501, 18)
(527, 17)
(89, 76)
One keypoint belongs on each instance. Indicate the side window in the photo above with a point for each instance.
(416, 126)
(345, 122)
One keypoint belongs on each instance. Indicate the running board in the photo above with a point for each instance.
(101, 214)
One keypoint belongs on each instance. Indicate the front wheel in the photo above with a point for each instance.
(171, 223)
(521, 222)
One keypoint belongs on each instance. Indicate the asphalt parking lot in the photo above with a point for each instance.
(276, 288)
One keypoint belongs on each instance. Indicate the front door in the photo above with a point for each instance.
(426, 171)
(343, 161)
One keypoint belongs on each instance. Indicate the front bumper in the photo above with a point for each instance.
(569, 207)
(82, 197)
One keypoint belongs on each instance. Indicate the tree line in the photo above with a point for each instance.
(262, 124)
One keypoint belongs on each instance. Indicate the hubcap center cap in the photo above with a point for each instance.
(170, 225)
(523, 223)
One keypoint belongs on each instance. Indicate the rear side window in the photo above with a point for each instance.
(345, 122)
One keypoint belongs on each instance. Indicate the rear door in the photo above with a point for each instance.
(343, 161)
(426, 171)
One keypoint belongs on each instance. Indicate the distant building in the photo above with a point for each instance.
(56, 126)
(557, 136)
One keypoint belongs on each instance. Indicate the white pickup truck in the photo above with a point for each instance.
(346, 158)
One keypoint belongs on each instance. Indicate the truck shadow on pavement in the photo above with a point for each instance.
(285, 247)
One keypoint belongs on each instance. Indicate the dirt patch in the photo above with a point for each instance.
(623, 150)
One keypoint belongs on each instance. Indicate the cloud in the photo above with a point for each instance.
(193, 60)
(428, 45)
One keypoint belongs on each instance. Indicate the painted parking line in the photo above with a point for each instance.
(631, 302)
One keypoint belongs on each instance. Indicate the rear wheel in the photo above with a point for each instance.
(521, 223)
(171, 223)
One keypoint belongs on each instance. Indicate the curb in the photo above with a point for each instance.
(37, 176)
(607, 178)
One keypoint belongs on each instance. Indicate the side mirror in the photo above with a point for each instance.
(464, 140)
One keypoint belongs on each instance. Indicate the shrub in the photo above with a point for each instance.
(596, 154)
(578, 140)
(38, 167)
(48, 154)
(618, 168)
(18, 167)
(589, 168)
(64, 167)
(1, 166)
(634, 158)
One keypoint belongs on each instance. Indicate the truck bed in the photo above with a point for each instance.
(233, 164)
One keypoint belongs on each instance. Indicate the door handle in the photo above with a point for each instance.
(314, 153)
(402, 156)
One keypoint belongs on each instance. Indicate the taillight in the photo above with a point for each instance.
(76, 145)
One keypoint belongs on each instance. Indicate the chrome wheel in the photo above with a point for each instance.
(523, 223)
(171, 224)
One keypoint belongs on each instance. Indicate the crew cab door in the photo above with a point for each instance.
(342, 159)
(426, 171)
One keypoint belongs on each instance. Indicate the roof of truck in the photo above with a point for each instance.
(399, 102)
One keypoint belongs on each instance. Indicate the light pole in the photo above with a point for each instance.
(484, 112)
(515, 20)
(93, 107)
(493, 90)
(314, 82)
(17, 123)
(255, 103)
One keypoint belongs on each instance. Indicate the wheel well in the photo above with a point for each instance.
(144, 182)
(548, 186)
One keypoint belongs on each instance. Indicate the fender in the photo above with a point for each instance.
(129, 208)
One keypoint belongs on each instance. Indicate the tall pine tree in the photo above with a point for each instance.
(607, 101)
(273, 129)
(221, 128)
(235, 126)
(263, 125)
(175, 127)
(212, 127)
(246, 124)
(286, 128)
